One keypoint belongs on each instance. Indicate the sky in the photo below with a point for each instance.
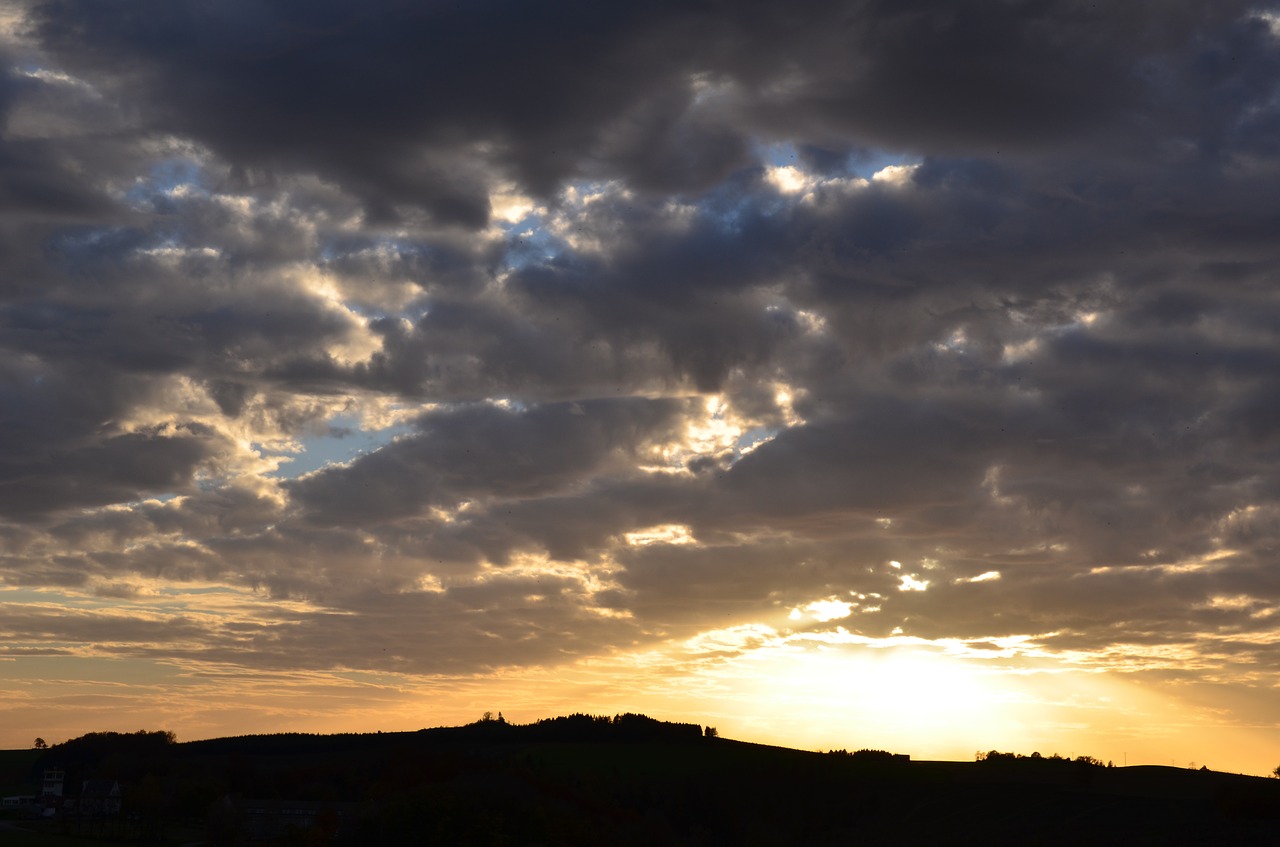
(838, 373)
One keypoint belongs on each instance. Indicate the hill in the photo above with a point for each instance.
(631, 780)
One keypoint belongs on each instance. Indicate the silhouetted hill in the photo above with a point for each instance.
(632, 780)
(15, 770)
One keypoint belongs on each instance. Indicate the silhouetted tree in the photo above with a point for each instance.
(41, 744)
(711, 732)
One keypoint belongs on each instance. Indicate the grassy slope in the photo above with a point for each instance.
(15, 771)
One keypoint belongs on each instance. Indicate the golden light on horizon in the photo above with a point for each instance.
(766, 382)
(752, 682)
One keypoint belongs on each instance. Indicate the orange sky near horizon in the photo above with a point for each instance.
(915, 698)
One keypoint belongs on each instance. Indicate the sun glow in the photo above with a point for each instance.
(910, 699)
(662, 534)
(940, 700)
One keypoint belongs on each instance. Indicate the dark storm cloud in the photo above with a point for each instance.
(488, 452)
(24, 624)
(660, 308)
(1045, 349)
(581, 523)
(39, 163)
(60, 448)
(168, 337)
(114, 470)
(37, 187)
(389, 100)
(401, 102)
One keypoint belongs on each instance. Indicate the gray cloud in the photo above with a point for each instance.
(1040, 343)
(394, 100)
(488, 452)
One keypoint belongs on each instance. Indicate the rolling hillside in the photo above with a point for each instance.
(630, 780)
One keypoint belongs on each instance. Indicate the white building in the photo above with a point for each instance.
(53, 780)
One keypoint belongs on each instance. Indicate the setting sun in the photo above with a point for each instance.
(837, 375)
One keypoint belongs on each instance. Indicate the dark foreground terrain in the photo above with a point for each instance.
(627, 780)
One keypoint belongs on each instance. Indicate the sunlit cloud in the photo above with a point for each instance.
(751, 380)
(665, 534)
(910, 582)
(824, 610)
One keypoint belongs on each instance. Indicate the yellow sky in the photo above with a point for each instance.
(913, 699)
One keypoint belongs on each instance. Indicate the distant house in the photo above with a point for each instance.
(52, 784)
(50, 797)
(18, 802)
(259, 820)
(100, 798)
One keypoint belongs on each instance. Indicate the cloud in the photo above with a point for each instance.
(409, 106)
(663, 321)
(486, 452)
